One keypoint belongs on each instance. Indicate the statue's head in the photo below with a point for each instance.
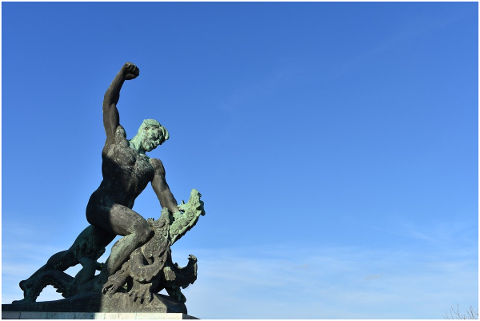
(152, 134)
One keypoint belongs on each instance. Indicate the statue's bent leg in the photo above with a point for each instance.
(122, 220)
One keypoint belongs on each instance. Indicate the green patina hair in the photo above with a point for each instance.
(153, 123)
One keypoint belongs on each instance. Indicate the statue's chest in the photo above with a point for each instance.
(129, 160)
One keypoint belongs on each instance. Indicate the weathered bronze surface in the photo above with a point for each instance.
(140, 263)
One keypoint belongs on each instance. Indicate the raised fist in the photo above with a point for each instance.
(130, 71)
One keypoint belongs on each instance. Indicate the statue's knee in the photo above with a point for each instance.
(144, 235)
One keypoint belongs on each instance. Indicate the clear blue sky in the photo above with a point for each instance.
(335, 145)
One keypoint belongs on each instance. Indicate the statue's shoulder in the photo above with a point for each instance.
(120, 137)
(120, 133)
(157, 164)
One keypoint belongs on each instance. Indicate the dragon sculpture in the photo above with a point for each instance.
(148, 270)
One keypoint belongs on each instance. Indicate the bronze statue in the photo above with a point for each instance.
(139, 265)
(126, 171)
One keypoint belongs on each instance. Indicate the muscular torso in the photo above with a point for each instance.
(125, 171)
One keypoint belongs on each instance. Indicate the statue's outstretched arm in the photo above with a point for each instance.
(111, 118)
(161, 188)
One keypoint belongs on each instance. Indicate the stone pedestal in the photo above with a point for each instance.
(98, 306)
(93, 315)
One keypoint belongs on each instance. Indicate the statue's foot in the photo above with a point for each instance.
(112, 285)
(24, 300)
(141, 292)
(23, 285)
(115, 282)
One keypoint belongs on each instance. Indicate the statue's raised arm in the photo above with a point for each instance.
(111, 118)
